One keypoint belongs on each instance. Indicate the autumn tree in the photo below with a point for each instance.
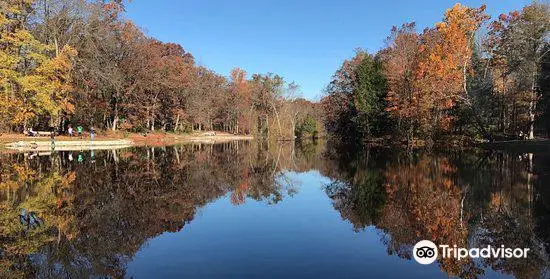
(266, 100)
(517, 44)
(157, 76)
(444, 61)
(355, 103)
(58, 22)
(338, 104)
(400, 60)
(98, 76)
(34, 82)
(207, 96)
(420, 81)
(240, 102)
(83, 62)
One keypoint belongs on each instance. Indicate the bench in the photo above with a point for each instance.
(37, 134)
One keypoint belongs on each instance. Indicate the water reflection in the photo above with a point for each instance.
(464, 199)
(82, 214)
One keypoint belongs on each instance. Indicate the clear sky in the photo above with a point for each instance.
(302, 40)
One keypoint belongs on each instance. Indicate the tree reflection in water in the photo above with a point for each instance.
(465, 199)
(97, 212)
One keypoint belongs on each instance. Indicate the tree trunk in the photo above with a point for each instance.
(532, 108)
(293, 128)
(278, 120)
(410, 134)
(267, 125)
(56, 43)
(177, 123)
(115, 118)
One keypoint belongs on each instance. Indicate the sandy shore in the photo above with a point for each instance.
(42, 145)
(171, 139)
(112, 141)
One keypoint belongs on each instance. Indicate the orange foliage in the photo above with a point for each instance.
(425, 200)
(426, 73)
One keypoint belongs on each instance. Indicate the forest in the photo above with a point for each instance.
(469, 78)
(79, 62)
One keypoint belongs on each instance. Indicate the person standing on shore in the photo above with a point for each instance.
(92, 133)
(79, 131)
(70, 131)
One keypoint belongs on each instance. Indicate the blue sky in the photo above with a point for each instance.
(302, 40)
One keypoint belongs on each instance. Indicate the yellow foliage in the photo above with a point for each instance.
(42, 85)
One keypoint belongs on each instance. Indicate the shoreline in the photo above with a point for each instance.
(521, 146)
(110, 140)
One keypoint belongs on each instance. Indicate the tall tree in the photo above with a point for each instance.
(400, 62)
(339, 104)
(240, 102)
(517, 43)
(369, 96)
(32, 84)
(444, 60)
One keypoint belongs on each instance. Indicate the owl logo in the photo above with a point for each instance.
(425, 252)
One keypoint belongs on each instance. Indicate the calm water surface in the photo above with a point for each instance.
(255, 210)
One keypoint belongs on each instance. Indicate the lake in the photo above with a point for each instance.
(267, 210)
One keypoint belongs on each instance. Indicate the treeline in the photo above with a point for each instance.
(467, 78)
(82, 62)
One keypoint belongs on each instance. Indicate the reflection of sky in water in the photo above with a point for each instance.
(256, 219)
(302, 236)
